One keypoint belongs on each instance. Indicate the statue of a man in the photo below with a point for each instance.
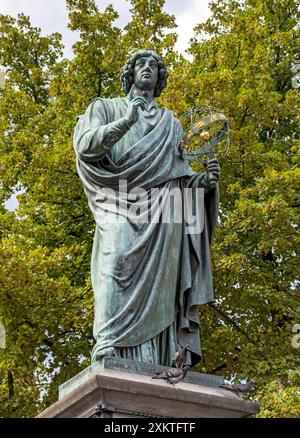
(149, 276)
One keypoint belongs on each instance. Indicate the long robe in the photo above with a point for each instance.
(148, 277)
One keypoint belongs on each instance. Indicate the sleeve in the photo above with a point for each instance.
(211, 199)
(200, 180)
(93, 135)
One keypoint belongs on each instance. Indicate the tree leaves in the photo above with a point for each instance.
(241, 63)
(255, 260)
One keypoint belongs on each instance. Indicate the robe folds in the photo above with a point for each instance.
(149, 276)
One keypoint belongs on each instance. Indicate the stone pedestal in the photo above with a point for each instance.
(122, 388)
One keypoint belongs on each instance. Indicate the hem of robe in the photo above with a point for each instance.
(158, 350)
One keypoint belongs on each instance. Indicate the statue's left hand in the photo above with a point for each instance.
(213, 171)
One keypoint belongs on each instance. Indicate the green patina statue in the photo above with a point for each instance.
(149, 276)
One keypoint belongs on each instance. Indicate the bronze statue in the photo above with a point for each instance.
(149, 276)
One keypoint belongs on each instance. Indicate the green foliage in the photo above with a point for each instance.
(149, 27)
(241, 63)
(244, 69)
(278, 401)
(28, 56)
(99, 53)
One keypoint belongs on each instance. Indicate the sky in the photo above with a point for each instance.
(51, 16)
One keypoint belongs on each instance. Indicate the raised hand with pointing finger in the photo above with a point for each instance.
(132, 114)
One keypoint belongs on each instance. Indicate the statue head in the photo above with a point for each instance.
(131, 72)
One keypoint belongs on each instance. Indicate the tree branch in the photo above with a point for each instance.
(10, 383)
(244, 117)
(232, 322)
(238, 57)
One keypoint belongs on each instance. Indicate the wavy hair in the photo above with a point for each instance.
(128, 69)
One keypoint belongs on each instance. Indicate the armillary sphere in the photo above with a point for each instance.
(206, 134)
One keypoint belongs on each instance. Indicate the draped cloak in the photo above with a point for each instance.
(148, 277)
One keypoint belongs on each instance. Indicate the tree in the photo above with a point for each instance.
(41, 251)
(45, 295)
(150, 26)
(241, 63)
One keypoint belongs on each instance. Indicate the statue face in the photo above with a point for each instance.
(145, 73)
